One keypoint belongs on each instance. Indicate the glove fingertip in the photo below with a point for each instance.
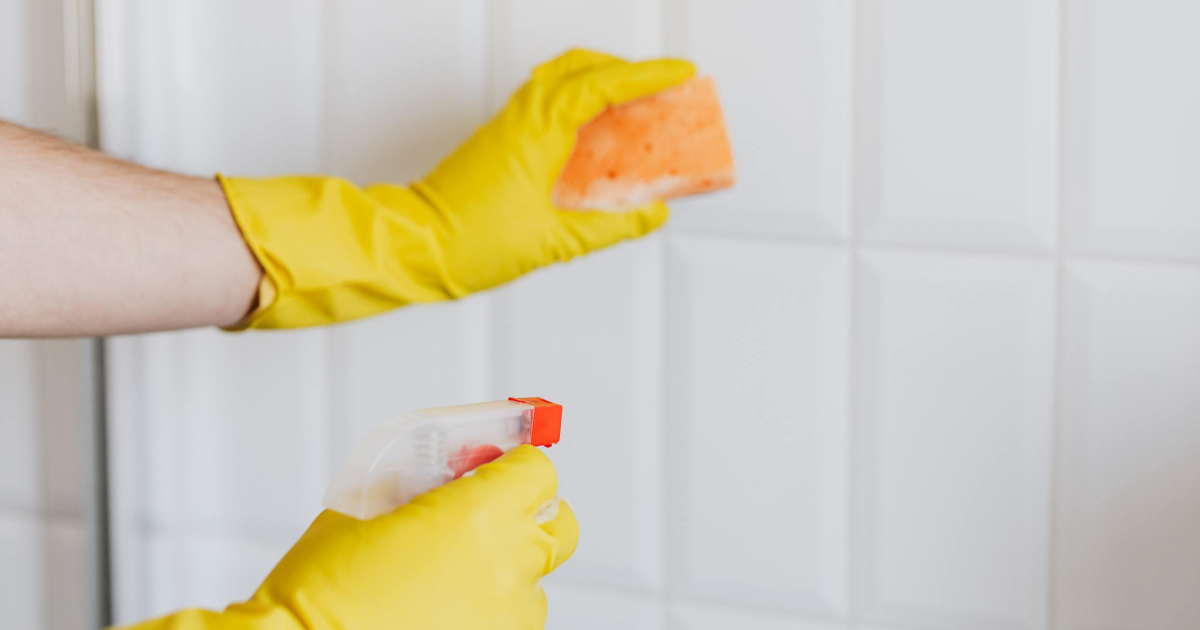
(650, 217)
(672, 69)
(585, 95)
(592, 230)
(526, 472)
(571, 62)
(564, 529)
(644, 78)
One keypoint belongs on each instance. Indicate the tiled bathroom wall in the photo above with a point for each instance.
(933, 364)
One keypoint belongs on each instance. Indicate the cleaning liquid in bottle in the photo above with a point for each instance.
(423, 449)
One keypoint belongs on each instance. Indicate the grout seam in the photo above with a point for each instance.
(852, 435)
(1054, 253)
(1059, 345)
(668, 10)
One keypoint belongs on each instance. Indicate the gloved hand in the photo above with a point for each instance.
(464, 556)
(334, 252)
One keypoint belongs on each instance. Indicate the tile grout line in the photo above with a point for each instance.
(1050, 616)
(669, 10)
(932, 249)
(14, 511)
(494, 306)
(637, 594)
(333, 342)
(852, 434)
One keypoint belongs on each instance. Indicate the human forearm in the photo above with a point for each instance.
(90, 244)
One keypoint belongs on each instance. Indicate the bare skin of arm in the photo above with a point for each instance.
(93, 245)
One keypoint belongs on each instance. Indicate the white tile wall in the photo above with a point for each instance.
(709, 617)
(757, 440)
(190, 570)
(214, 64)
(954, 439)
(1132, 139)
(425, 356)
(42, 81)
(957, 106)
(18, 424)
(68, 577)
(525, 33)
(14, 63)
(1129, 553)
(588, 609)
(248, 429)
(387, 59)
(229, 438)
(21, 555)
(922, 414)
(784, 77)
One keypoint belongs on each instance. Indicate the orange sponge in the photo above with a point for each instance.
(667, 145)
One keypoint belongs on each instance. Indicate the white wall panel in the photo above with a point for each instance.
(64, 409)
(142, 386)
(41, 422)
(14, 63)
(43, 411)
(18, 425)
(69, 576)
(44, 81)
(404, 84)
(783, 71)
(417, 357)
(206, 571)
(248, 431)
(1133, 138)
(230, 432)
(588, 335)
(954, 440)
(707, 617)
(43, 584)
(757, 399)
(587, 609)
(526, 33)
(21, 556)
(957, 109)
(244, 93)
(1129, 508)
(185, 86)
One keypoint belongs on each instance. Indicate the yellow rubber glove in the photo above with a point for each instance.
(464, 556)
(334, 252)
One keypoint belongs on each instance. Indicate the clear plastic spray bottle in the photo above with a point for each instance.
(423, 449)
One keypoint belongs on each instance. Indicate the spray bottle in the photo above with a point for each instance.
(423, 449)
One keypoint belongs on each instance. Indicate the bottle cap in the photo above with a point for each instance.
(545, 419)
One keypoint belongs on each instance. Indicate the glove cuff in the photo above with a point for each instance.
(333, 252)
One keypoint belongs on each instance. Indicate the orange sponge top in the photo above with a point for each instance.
(663, 146)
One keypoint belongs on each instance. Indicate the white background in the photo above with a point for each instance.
(933, 364)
